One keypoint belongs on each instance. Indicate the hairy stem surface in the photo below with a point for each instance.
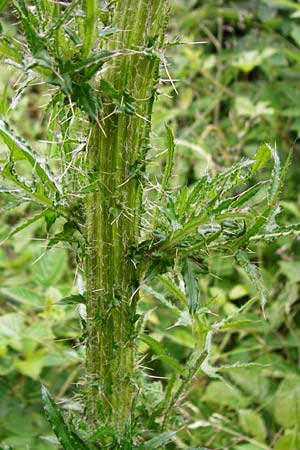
(116, 158)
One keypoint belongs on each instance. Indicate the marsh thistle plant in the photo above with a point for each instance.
(99, 65)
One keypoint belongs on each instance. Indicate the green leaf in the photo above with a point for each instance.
(27, 223)
(50, 218)
(173, 289)
(253, 424)
(291, 269)
(220, 393)
(23, 295)
(261, 157)
(32, 366)
(12, 327)
(284, 231)
(189, 273)
(289, 441)
(62, 18)
(170, 158)
(287, 402)
(72, 299)
(68, 439)
(253, 273)
(17, 145)
(11, 52)
(158, 441)
(247, 195)
(161, 353)
(89, 66)
(86, 98)
(67, 235)
(50, 267)
(278, 176)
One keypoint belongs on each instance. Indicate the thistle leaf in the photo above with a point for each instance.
(189, 273)
(253, 273)
(27, 223)
(261, 157)
(161, 353)
(67, 438)
(18, 146)
(72, 300)
(171, 148)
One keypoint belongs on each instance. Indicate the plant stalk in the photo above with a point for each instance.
(116, 158)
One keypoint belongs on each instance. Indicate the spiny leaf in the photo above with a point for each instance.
(170, 159)
(16, 144)
(27, 223)
(232, 177)
(261, 157)
(278, 176)
(11, 51)
(67, 235)
(205, 366)
(284, 231)
(92, 62)
(72, 299)
(173, 289)
(238, 365)
(8, 172)
(198, 190)
(247, 195)
(260, 224)
(67, 438)
(181, 203)
(36, 191)
(253, 273)
(86, 98)
(169, 304)
(62, 18)
(227, 320)
(29, 23)
(189, 273)
(161, 353)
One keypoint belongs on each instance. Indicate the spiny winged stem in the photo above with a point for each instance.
(116, 155)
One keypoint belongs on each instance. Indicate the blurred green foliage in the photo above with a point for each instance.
(235, 92)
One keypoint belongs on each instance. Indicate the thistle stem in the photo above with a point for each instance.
(116, 156)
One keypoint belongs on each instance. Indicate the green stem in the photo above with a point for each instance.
(116, 156)
(90, 25)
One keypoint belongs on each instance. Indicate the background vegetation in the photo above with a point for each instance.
(235, 92)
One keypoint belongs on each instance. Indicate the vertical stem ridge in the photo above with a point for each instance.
(113, 212)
